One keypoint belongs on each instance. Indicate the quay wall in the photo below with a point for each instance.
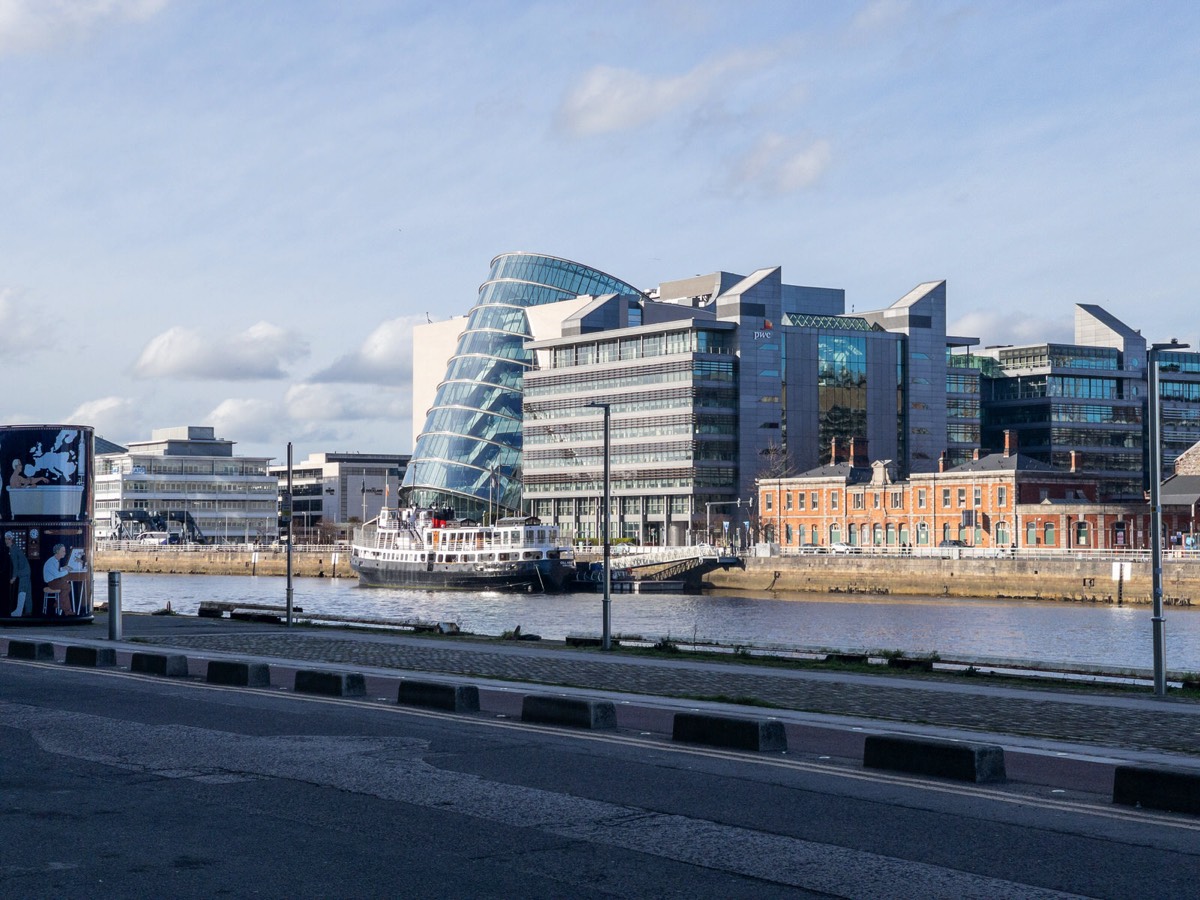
(172, 561)
(1037, 579)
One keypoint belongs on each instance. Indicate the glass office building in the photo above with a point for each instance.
(468, 455)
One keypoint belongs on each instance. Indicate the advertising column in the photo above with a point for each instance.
(46, 519)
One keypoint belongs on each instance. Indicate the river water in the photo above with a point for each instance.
(1080, 633)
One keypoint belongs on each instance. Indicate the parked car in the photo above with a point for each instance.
(840, 547)
(810, 548)
(949, 543)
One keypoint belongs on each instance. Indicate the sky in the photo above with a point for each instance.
(233, 214)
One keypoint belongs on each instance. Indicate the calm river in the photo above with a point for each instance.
(1052, 632)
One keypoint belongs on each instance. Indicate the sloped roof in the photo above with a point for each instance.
(844, 470)
(1180, 490)
(998, 462)
(106, 446)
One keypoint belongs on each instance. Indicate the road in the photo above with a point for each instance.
(120, 785)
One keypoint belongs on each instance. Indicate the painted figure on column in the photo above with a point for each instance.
(20, 575)
(57, 580)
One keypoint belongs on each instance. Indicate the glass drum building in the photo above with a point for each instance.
(468, 454)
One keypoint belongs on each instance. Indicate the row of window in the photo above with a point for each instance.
(895, 498)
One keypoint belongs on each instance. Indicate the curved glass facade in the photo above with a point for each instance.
(474, 426)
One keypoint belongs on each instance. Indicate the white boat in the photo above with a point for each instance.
(426, 548)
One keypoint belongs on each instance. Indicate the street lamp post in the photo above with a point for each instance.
(1157, 622)
(606, 639)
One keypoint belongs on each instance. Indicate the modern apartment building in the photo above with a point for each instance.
(189, 478)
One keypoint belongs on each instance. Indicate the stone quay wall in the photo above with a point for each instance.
(212, 561)
(1080, 580)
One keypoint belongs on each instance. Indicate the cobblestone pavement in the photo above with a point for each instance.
(1139, 723)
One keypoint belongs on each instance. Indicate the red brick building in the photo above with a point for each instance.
(1002, 500)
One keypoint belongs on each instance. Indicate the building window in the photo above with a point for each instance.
(787, 532)
(787, 500)
(1031, 534)
(1001, 497)
(815, 498)
(1001, 533)
(1048, 538)
(962, 496)
(833, 500)
(857, 501)
(800, 500)
(921, 498)
(978, 498)
(897, 500)
(946, 498)
(768, 501)
(875, 500)
(1081, 534)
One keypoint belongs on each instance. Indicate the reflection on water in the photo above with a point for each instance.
(1054, 632)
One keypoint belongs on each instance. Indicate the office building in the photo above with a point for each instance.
(467, 453)
(188, 481)
(332, 490)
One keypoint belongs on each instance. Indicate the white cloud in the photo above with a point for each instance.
(1013, 327)
(259, 352)
(33, 24)
(880, 14)
(18, 322)
(116, 418)
(780, 164)
(316, 402)
(607, 99)
(246, 419)
(385, 357)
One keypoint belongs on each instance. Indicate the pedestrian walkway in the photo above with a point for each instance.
(1113, 719)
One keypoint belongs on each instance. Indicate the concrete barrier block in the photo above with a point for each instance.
(734, 732)
(43, 651)
(933, 756)
(552, 709)
(331, 684)
(1174, 790)
(452, 697)
(96, 657)
(171, 665)
(238, 674)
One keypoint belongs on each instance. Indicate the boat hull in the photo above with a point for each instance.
(539, 576)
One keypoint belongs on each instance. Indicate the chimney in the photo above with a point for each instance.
(858, 453)
(942, 461)
(1010, 442)
(833, 451)
(975, 454)
(1074, 461)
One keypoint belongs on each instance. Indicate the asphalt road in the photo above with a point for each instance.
(119, 785)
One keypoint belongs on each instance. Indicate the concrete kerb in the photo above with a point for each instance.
(330, 684)
(438, 695)
(1151, 787)
(95, 657)
(960, 760)
(237, 673)
(40, 651)
(734, 732)
(575, 712)
(170, 665)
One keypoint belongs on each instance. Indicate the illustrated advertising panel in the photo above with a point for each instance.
(46, 521)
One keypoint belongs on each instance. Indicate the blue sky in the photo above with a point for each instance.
(232, 214)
